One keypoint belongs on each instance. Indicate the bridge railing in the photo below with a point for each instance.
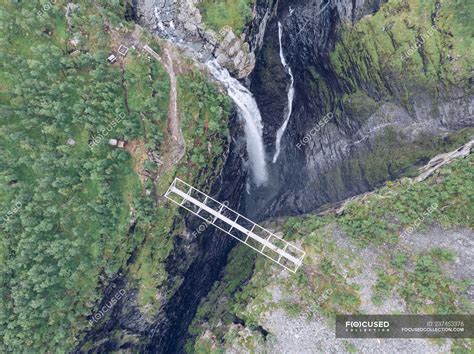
(235, 225)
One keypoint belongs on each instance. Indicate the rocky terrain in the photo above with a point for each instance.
(350, 62)
(354, 95)
(181, 22)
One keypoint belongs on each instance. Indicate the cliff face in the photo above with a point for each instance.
(196, 258)
(375, 95)
(198, 255)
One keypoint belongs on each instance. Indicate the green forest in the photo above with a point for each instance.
(73, 207)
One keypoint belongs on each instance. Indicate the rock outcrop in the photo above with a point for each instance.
(181, 22)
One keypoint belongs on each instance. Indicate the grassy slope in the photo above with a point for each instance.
(52, 258)
(205, 131)
(220, 13)
(371, 53)
(70, 235)
(370, 59)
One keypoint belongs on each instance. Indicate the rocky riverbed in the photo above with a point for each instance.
(181, 22)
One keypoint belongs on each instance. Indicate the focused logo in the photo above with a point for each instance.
(356, 326)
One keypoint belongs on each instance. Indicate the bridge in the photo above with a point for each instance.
(235, 225)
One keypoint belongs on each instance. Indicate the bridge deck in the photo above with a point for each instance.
(235, 225)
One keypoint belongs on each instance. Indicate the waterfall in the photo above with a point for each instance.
(291, 95)
(249, 112)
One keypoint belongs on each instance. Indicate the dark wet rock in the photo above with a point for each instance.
(192, 267)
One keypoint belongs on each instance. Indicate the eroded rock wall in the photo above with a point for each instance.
(386, 113)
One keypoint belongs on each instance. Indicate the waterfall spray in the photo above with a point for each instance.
(249, 112)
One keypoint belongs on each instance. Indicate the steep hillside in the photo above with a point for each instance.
(94, 259)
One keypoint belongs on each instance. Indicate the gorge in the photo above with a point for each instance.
(344, 128)
(308, 63)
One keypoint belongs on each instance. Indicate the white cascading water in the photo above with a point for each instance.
(291, 95)
(248, 110)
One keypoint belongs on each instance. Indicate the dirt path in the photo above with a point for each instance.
(174, 125)
(174, 141)
(173, 147)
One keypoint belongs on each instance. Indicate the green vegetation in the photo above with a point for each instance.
(238, 270)
(381, 217)
(83, 212)
(147, 86)
(462, 346)
(351, 348)
(399, 260)
(383, 287)
(376, 52)
(372, 63)
(427, 290)
(320, 292)
(157, 232)
(359, 105)
(73, 226)
(323, 288)
(372, 66)
(233, 13)
(204, 125)
(204, 117)
(205, 347)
